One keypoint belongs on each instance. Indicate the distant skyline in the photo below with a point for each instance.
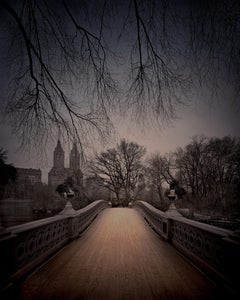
(218, 120)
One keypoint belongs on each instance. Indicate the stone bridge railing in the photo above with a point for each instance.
(24, 247)
(214, 250)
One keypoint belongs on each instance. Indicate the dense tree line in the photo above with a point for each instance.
(205, 173)
(206, 168)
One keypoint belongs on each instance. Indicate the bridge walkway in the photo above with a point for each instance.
(118, 257)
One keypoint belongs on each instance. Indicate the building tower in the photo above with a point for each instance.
(74, 162)
(58, 174)
(58, 157)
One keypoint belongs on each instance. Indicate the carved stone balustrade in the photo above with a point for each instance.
(24, 247)
(214, 250)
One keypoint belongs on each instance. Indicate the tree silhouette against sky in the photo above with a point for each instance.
(74, 63)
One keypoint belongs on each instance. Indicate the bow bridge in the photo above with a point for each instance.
(125, 253)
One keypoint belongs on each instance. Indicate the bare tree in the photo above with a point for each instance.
(191, 163)
(51, 57)
(214, 40)
(130, 159)
(108, 170)
(119, 169)
(160, 172)
(67, 57)
(224, 164)
(208, 170)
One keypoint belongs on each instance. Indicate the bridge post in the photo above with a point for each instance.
(6, 255)
(172, 210)
(70, 212)
(169, 230)
(231, 246)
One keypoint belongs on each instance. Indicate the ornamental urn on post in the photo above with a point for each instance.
(172, 196)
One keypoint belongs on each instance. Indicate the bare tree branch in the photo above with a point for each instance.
(69, 76)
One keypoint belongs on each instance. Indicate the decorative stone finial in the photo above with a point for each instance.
(68, 209)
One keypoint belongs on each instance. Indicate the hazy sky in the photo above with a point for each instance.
(201, 116)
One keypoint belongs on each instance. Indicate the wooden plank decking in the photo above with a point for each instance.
(118, 257)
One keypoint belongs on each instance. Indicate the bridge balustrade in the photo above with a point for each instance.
(24, 247)
(216, 251)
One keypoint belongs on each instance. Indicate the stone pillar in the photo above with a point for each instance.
(172, 210)
(7, 258)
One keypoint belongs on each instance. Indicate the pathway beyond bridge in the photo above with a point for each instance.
(118, 257)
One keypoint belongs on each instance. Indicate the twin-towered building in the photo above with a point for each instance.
(58, 174)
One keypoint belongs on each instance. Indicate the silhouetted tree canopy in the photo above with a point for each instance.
(208, 169)
(120, 170)
(72, 62)
(8, 172)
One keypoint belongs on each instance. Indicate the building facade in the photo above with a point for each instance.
(58, 174)
(32, 176)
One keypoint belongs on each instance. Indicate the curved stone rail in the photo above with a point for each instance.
(214, 250)
(24, 247)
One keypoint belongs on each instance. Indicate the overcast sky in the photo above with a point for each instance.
(220, 120)
(202, 115)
